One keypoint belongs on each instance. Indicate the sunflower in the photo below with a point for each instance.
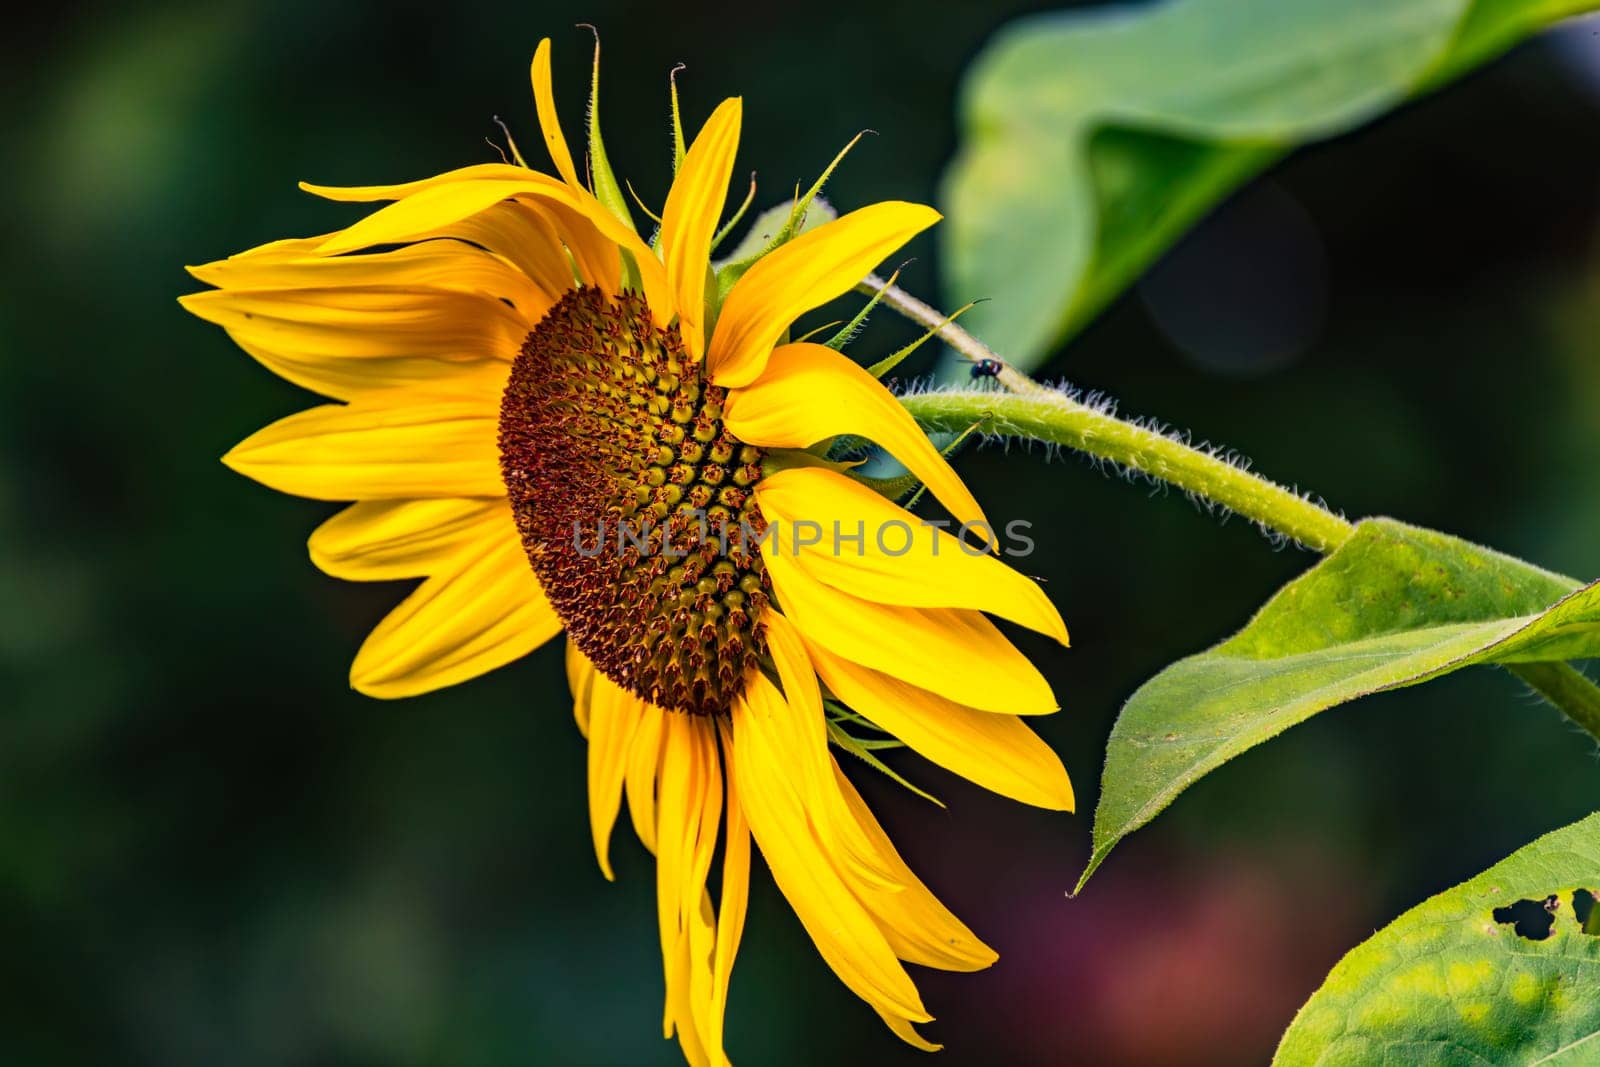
(513, 368)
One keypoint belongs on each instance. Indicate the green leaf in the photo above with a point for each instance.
(1393, 606)
(1458, 980)
(1093, 139)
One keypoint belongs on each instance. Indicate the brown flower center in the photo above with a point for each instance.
(634, 503)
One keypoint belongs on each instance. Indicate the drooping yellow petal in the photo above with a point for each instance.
(693, 209)
(883, 553)
(386, 540)
(800, 690)
(434, 208)
(903, 1029)
(524, 238)
(596, 256)
(699, 921)
(999, 752)
(702, 950)
(735, 897)
(482, 613)
(509, 229)
(284, 248)
(644, 760)
(949, 650)
(918, 927)
(690, 813)
(370, 378)
(802, 733)
(844, 933)
(580, 680)
(359, 452)
(614, 714)
(361, 194)
(800, 275)
(432, 265)
(546, 235)
(679, 815)
(545, 102)
(861, 853)
(810, 393)
(365, 322)
(440, 208)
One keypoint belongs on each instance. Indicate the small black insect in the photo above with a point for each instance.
(987, 368)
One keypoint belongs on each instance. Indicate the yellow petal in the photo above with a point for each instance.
(952, 651)
(694, 205)
(597, 258)
(524, 238)
(356, 452)
(844, 933)
(382, 380)
(690, 813)
(802, 732)
(998, 752)
(545, 102)
(432, 265)
(652, 275)
(702, 943)
(438, 207)
(435, 207)
(368, 193)
(483, 613)
(285, 248)
(803, 274)
(800, 690)
(734, 899)
(366, 322)
(644, 759)
(810, 393)
(580, 680)
(614, 714)
(385, 540)
(907, 1033)
(918, 927)
(545, 234)
(881, 552)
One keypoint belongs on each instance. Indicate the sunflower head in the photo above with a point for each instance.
(558, 424)
(634, 501)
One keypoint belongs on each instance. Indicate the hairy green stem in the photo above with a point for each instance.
(1059, 419)
(1565, 687)
(1030, 410)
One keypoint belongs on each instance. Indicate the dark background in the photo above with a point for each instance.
(211, 851)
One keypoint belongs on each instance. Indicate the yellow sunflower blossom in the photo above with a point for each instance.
(510, 362)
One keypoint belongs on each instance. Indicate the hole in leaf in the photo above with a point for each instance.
(1531, 919)
(1583, 906)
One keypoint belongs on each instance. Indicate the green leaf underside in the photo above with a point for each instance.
(1093, 139)
(1394, 606)
(1449, 983)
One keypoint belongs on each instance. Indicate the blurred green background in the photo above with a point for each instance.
(211, 851)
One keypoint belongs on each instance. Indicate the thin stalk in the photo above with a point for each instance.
(968, 346)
